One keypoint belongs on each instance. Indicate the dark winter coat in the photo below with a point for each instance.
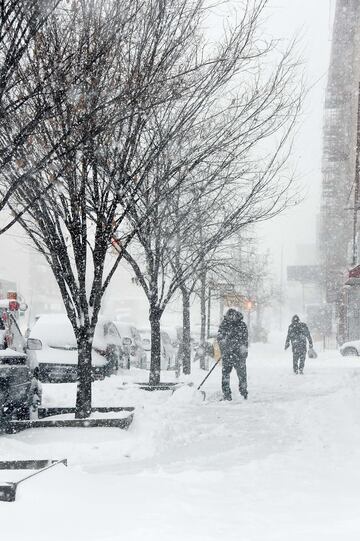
(233, 339)
(297, 334)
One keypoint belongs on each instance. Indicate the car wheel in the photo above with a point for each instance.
(350, 352)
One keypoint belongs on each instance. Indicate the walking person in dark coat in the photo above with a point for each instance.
(233, 341)
(298, 334)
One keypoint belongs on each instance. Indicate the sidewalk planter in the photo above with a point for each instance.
(45, 420)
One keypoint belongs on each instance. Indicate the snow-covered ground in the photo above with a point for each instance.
(283, 466)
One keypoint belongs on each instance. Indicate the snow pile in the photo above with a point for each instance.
(186, 394)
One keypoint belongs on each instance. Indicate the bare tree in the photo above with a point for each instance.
(224, 181)
(79, 53)
(136, 78)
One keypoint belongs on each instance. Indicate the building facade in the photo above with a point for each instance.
(337, 242)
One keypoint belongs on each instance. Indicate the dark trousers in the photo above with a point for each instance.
(299, 360)
(240, 367)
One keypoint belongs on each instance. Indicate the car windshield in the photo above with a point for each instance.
(55, 331)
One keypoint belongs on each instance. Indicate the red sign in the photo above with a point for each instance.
(355, 272)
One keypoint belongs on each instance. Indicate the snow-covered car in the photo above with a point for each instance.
(132, 345)
(146, 340)
(350, 348)
(167, 349)
(174, 333)
(52, 347)
(20, 390)
(146, 343)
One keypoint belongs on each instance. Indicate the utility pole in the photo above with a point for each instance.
(356, 186)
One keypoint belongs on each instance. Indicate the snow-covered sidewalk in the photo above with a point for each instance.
(282, 466)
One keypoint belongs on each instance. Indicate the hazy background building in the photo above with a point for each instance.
(338, 232)
(339, 148)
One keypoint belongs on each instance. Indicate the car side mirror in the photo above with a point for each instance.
(33, 344)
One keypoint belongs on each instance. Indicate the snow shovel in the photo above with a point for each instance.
(181, 390)
(206, 377)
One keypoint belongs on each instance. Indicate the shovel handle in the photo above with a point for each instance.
(208, 374)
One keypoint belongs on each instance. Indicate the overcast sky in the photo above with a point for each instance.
(312, 19)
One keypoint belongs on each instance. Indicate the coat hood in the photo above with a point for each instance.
(233, 315)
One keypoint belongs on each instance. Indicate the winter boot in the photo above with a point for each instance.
(226, 398)
(244, 394)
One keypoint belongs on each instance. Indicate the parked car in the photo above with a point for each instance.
(20, 389)
(146, 343)
(174, 333)
(167, 348)
(126, 343)
(132, 345)
(146, 340)
(349, 349)
(52, 345)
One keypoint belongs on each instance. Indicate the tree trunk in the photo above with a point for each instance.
(203, 320)
(83, 396)
(186, 332)
(155, 364)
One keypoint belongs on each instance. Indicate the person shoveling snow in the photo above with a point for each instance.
(233, 341)
(231, 347)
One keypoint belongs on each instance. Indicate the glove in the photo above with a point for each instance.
(286, 346)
